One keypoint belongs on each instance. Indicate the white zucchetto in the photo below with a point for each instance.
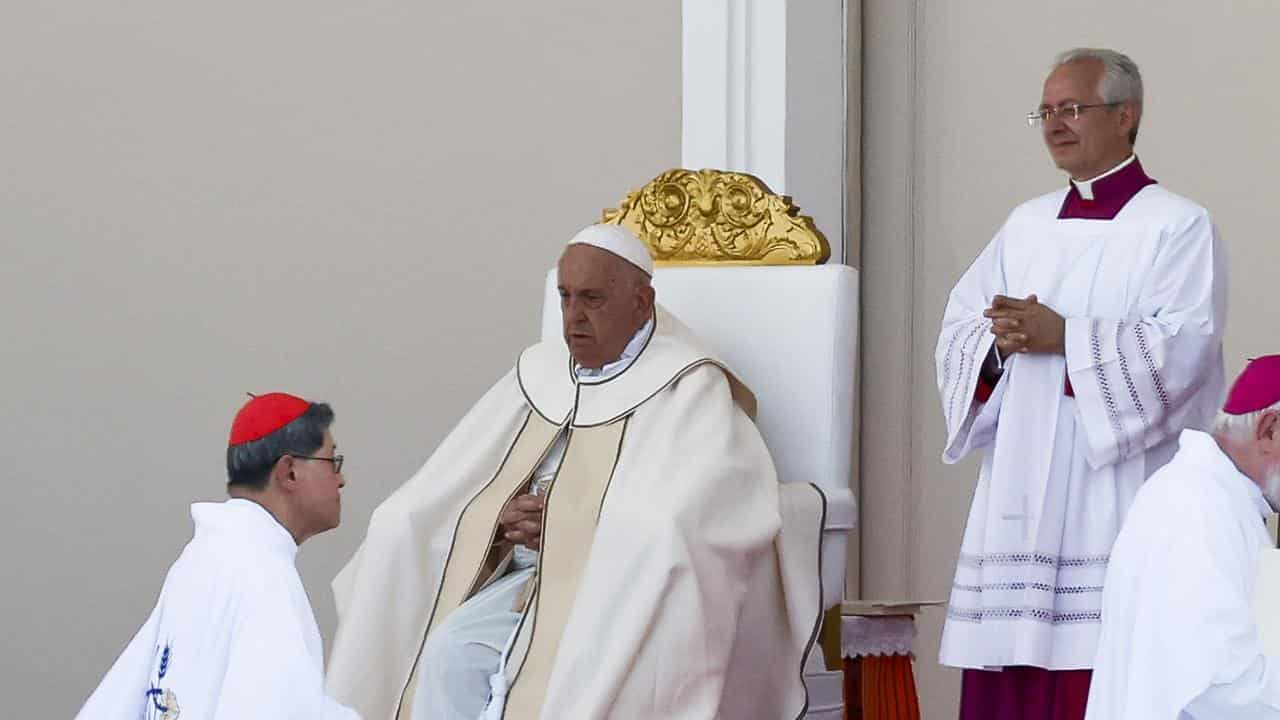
(618, 240)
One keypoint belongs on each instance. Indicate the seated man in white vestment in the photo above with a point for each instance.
(1179, 640)
(1079, 344)
(233, 636)
(584, 542)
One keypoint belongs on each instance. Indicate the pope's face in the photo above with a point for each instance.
(601, 304)
(1098, 140)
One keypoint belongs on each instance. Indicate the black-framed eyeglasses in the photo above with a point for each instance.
(1040, 116)
(336, 460)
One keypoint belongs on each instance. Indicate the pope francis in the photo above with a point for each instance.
(601, 536)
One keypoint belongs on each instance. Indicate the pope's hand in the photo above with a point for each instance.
(521, 521)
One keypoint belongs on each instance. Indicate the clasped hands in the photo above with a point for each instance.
(1026, 326)
(521, 521)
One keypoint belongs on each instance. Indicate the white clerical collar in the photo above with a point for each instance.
(666, 353)
(628, 356)
(246, 520)
(1226, 473)
(1085, 187)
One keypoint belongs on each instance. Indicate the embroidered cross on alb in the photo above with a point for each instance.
(1025, 517)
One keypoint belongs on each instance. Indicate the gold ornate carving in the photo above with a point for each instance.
(705, 217)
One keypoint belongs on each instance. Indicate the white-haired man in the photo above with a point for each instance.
(589, 539)
(1073, 351)
(1178, 636)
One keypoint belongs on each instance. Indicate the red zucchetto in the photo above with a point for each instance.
(265, 414)
(1257, 387)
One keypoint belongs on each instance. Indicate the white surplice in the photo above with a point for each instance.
(232, 637)
(1144, 297)
(1178, 636)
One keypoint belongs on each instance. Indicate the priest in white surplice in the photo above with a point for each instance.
(233, 636)
(1178, 635)
(600, 536)
(1075, 349)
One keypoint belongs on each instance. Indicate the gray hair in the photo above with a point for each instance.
(1240, 427)
(1121, 80)
(249, 464)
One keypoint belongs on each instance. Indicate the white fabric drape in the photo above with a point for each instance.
(689, 541)
(233, 635)
(1178, 638)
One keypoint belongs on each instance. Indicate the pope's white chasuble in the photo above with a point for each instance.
(1178, 638)
(232, 637)
(668, 582)
(1144, 297)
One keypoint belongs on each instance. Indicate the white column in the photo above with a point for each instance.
(764, 92)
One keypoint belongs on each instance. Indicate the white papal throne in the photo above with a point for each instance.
(744, 271)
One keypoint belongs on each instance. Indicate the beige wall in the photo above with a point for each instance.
(356, 202)
(947, 155)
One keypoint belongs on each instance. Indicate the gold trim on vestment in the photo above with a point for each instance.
(477, 525)
(570, 514)
(713, 217)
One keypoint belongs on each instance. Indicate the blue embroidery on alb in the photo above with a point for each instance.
(1044, 615)
(1027, 558)
(161, 702)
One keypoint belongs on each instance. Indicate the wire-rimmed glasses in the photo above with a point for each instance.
(1068, 111)
(336, 460)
